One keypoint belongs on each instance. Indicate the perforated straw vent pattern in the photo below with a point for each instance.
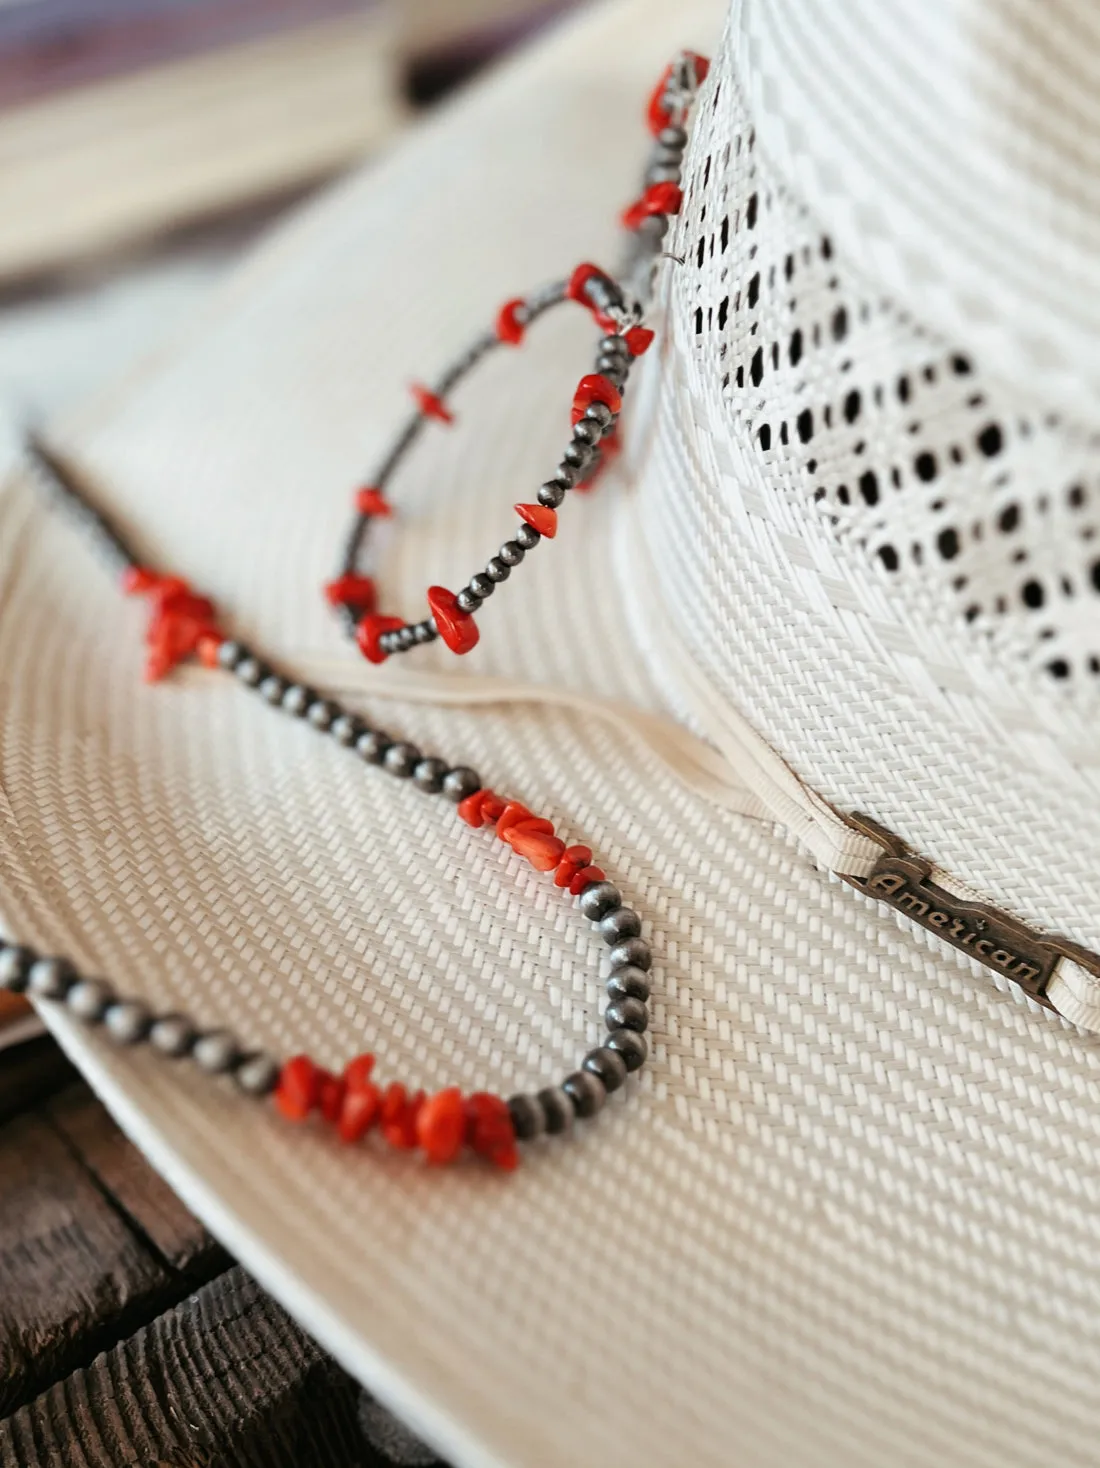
(976, 510)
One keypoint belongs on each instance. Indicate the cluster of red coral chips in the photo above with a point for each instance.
(439, 1126)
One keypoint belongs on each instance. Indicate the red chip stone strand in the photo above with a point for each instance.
(440, 1126)
(181, 624)
(575, 290)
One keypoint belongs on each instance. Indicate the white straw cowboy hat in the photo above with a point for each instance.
(848, 564)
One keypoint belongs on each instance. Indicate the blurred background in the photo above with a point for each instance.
(144, 144)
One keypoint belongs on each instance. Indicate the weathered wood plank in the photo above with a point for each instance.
(223, 1380)
(147, 1201)
(78, 1270)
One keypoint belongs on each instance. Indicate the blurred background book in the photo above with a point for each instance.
(122, 119)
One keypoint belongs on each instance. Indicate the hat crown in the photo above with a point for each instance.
(908, 580)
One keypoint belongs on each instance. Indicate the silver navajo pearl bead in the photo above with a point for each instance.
(617, 926)
(557, 1108)
(598, 899)
(89, 999)
(128, 1022)
(654, 227)
(586, 1091)
(229, 654)
(50, 978)
(588, 432)
(321, 714)
(511, 552)
(527, 537)
(172, 1034)
(663, 172)
(580, 455)
(425, 632)
(272, 688)
(614, 346)
(496, 570)
(551, 494)
(428, 776)
(215, 1052)
(460, 782)
(673, 137)
(257, 1075)
(371, 746)
(568, 474)
(467, 600)
(632, 951)
(528, 1117)
(345, 729)
(600, 413)
(608, 1066)
(614, 370)
(626, 1014)
(297, 699)
(482, 586)
(250, 671)
(401, 759)
(631, 1046)
(15, 964)
(628, 983)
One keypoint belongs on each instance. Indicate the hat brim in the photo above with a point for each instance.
(755, 1254)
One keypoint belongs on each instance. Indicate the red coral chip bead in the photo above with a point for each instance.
(431, 405)
(509, 328)
(399, 1116)
(573, 858)
(441, 1125)
(456, 627)
(638, 340)
(583, 877)
(137, 580)
(657, 114)
(370, 630)
(575, 290)
(471, 810)
(359, 1111)
(541, 518)
(299, 1088)
(371, 501)
(493, 807)
(209, 643)
(659, 198)
(489, 1130)
(595, 388)
(351, 591)
(357, 1072)
(513, 813)
(330, 1095)
(542, 849)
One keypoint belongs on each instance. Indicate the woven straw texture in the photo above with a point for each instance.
(847, 1216)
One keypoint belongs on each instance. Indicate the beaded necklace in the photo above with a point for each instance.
(183, 624)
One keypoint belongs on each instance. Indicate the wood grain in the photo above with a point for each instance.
(144, 1198)
(30, 1072)
(223, 1380)
(79, 1271)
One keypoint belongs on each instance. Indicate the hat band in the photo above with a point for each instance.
(1061, 975)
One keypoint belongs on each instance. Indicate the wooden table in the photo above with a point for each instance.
(127, 1334)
